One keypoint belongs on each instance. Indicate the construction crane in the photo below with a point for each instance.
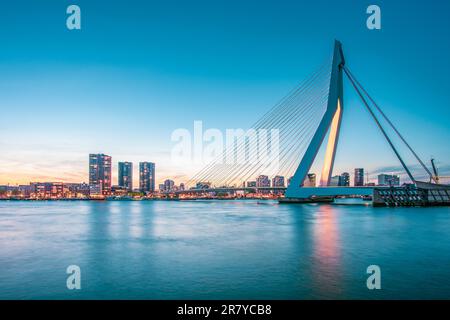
(436, 176)
(435, 171)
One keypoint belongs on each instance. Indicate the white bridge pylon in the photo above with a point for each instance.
(331, 121)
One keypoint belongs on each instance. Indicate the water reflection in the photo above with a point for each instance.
(326, 253)
(135, 223)
(221, 250)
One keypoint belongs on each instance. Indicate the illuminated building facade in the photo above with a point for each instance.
(262, 182)
(126, 175)
(169, 185)
(345, 179)
(388, 180)
(146, 176)
(278, 181)
(359, 177)
(100, 172)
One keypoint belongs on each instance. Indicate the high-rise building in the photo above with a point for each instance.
(310, 180)
(359, 177)
(263, 182)
(344, 179)
(147, 176)
(100, 172)
(126, 175)
(169, 185)
(388, 180)
(278, 181)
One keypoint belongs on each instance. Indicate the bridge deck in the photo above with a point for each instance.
(308, 192)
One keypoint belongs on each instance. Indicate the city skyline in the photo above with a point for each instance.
(228, 69)
(115, 180)
(100, 173)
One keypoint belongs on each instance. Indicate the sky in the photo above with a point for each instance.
(138, 70)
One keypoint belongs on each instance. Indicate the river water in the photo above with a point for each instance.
(244, 249)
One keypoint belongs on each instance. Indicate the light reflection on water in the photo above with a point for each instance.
(221, 249)
(327, 255)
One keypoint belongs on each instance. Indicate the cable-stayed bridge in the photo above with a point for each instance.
(285, 142)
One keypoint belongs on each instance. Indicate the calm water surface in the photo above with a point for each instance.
(221, 250)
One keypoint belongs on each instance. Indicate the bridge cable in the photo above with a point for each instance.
(282, 126)
(285, 131)
(292, 119)
(378, 124)
(268, 118)
(393, 127)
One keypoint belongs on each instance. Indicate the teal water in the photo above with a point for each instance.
(221, 250)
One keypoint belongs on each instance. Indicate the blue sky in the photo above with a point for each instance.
(140, 69)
